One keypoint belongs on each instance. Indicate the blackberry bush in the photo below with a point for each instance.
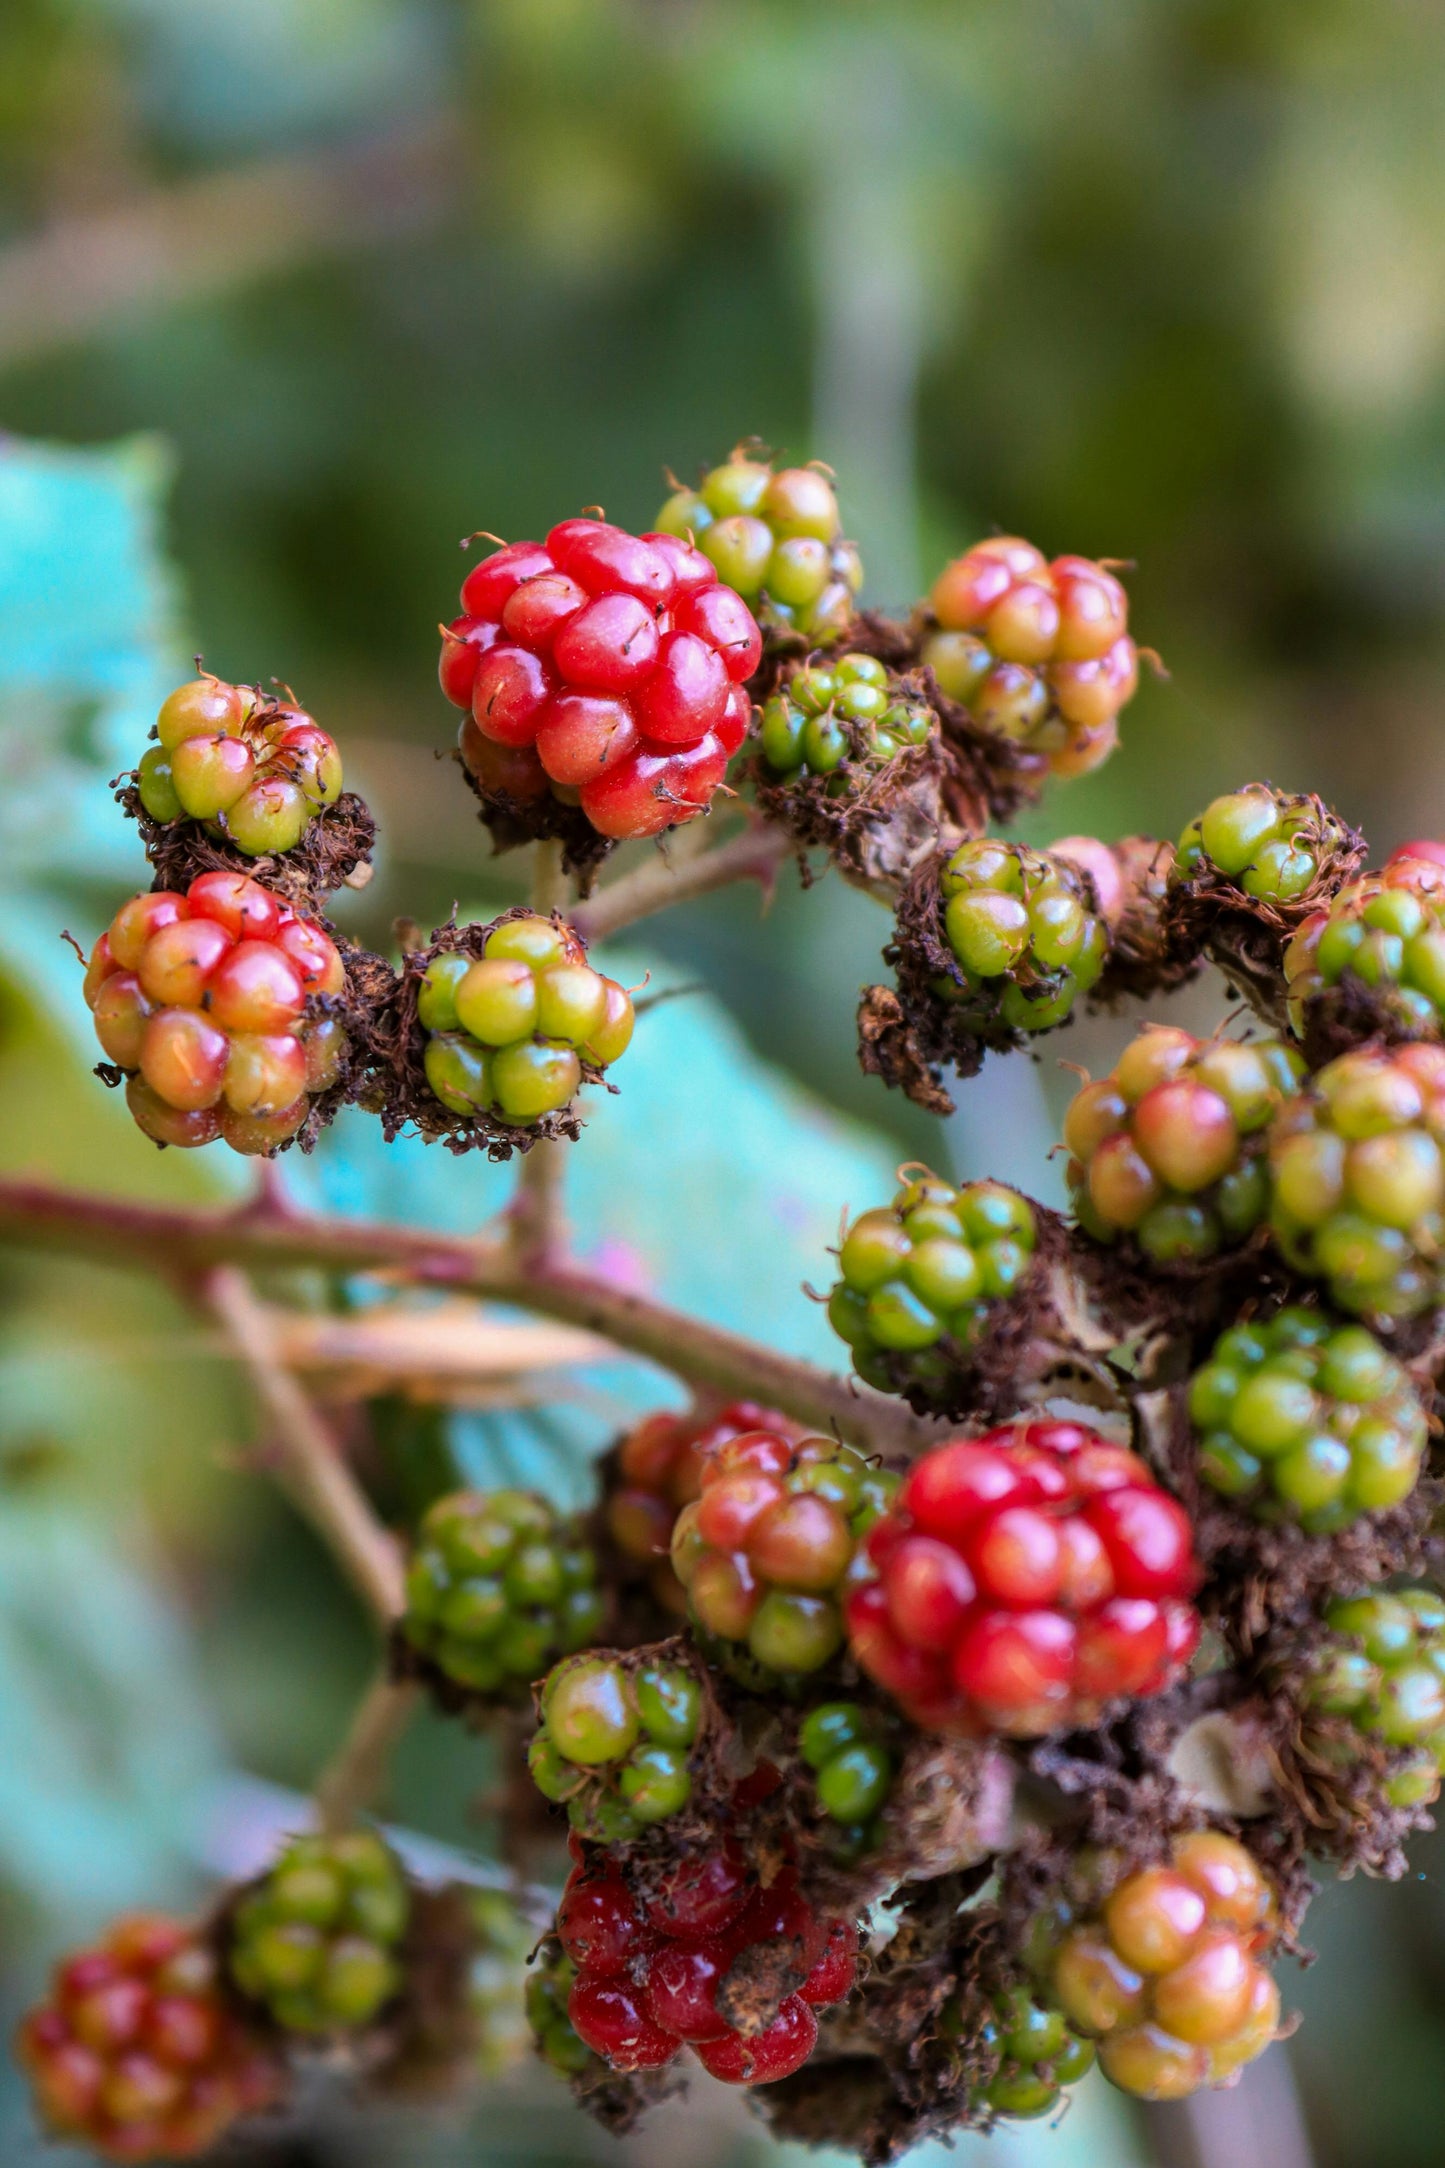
(1305, 1419)
(615, 1743)
(842, 719)
(1170, 1147)
(252, 769)
(318, 1940)
(776, 537)
(499, 1585)
(1382, 1670)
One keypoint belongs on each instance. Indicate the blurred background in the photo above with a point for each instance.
(292, 297)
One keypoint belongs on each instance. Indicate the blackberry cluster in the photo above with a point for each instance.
(498, 1587)
(1273, 845)
(219, 1007)
(769, 1549)
(1038, 652)
(1384, 1672)
(1023, 1581)
(254, 770)
(1023, 935)
(918, 1277)
(135, 2052)
(508, 1031)
(776, 536)
(1170, 1147)
(603, 669)
(1167, 1975)
(1359, 1181)
(659, 1471)
(501, 1941)
(843, 719)
(1385, 932)
(615, 1743)
(318, 1940)
(1039, 2053)
(853, 1772)
(1304, 1419)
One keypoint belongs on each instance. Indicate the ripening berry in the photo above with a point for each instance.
(1385, 933)
(255, 770)
(498, 1587)
(1302, 1419)
(1023, 935)
(607, 669)
(318, 1939)
(853, 1772)
(1024, 1580)
(1358, 1179)
(615, 1742)
(1168, 1977)
(210, 1004)
(1038, 2051)
(1272, 844)
(775, 536)
(843, 720)
(136, 2053)
(767, 1550)
(659, 1471)
(1170, 1148)
(1383, 1671)
(1036, 652)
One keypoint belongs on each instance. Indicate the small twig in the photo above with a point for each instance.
(551, 887)
(308, 1464)
(351, 1781)
(536, 1229)
(753, 855)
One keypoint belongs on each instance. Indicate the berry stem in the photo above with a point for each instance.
(754, 854)
(353, 1778)
(536, 1228)
(307, 1463)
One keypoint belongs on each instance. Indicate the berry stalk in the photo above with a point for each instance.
(754, 854)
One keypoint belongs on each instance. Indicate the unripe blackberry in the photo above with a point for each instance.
(853, 1772)
(1272, 844)
(918, 1277)
(776, 536)
(1358, 1180)
(1384, 1672)
(318, 1939)
(136, 2054)
(501, 1942)
(219, 1008)
(606, 669)
(1386, 933)
(549, 1985)
(253, 769)
(1168, 1976)
(658, 1471)
(508, 1031)
(1037, 652)
(844, 720)
(1024, 1580)
(1170, 1147)
(1023, 934)
(1301, 1419)
(1039, 2053)
(498, 1587)
(615, 1743)
(768, 1551)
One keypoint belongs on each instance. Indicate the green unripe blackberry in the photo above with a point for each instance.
(918, 1277)
(1023, 934)
(1269, 842)
(1039, 2054)
(501, 1941)
(318, 1940)
(1385, 1673)
(853, 1772)
(549, 1984)
(844, 719)
(776, 536)
(1358, 1179)
(1385, 932)
(498, 1587)
(615, 1743)
(1301, 1419)
(1170, 1147)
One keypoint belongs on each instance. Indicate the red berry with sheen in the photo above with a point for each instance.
(1025, 1579)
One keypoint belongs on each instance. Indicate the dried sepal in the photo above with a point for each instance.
(338, 843)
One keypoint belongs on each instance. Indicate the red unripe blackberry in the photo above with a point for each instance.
(1168, 1977)
(253, 769)
(1171, 1147)
(1024, 1580)
(658, 1472)
(613, 661)
(1037, 652)
(135, 2053)
(775, 537)
(206, 1002)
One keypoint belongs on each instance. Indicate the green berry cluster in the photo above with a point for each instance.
(1303, 1419)
(776, 537)
(318, 1941)
(508, 1031)
(549, 1984)
(501, 1939)
(1358, 1172)
(853, 1772)
(836, 718)
(498, 1587)
(254, 770)
(1039, 2054)
(1386, 1673)
(923, 1270)
(1025, 940)
(1388, 932)
(1271, 843)
(615, 1743)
